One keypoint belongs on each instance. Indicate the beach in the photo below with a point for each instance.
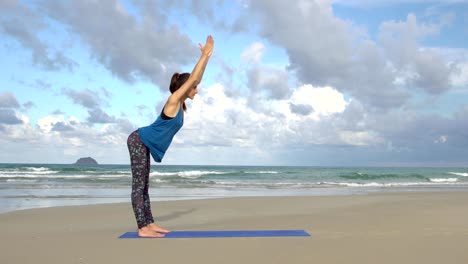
(386, 227)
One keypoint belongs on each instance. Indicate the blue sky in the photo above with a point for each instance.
(319, 83)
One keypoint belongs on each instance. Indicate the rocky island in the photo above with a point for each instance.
(86, 161)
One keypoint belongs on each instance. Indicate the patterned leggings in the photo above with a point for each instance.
(140, 163)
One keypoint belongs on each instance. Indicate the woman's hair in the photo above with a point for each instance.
(177, 80)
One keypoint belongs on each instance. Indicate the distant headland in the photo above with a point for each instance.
(86, 161)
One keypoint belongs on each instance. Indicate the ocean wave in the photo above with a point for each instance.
(36, 169)
(58, 196)
(21, 180)
(162, 174)
(292, 185)
(310, 185)
(443, 179)
(50, 171)
(187, 174)
(112, 178)
(240, 184)
(365, 176)
(391, 184)
(286, 184)
(8, 177)
(54, 170)
(464, 174)
(77, 169)
(45, 176)
(26, 172)
(36, 176)
(262, 172)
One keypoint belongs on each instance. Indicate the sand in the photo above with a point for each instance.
(411, 227)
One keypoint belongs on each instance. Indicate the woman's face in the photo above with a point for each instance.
(193, 92)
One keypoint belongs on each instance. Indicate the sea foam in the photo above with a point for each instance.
(464, 174)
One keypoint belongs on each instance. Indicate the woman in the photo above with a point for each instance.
(157, 137)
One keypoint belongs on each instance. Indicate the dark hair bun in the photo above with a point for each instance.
(177, 81)
(174, 79)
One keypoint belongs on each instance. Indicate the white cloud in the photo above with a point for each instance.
(47, 123)
(23, 132)
(331, 51)
(374, 3)
(442, 139)
(263, 81)
(76, 142)
(417, 66)
(460, 77)
(360, 138)
(218, 120)
(324, 100)
(253, 54)
(132, 48)
(274, 119)
(65, 140)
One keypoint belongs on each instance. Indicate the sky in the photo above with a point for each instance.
(297, 82)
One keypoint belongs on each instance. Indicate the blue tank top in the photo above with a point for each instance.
(158, 136)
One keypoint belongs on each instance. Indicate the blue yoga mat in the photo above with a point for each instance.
(227, 233)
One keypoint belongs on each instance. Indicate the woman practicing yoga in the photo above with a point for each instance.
(157, 137)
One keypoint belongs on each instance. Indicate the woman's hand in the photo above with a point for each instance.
(208, 48)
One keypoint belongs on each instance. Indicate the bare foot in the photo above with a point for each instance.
(148, 232)
(157, 228)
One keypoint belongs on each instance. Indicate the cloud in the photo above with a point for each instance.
(359, 138)
(413, 132)
(381, 3)
(86, 97)
(263, 80)
(272, 81)
(65, 139)
(423, 68)
(42, 84)
(208, 13)
(8, 100)
(217, 124)
(58, 112)
(147, 48)
(460, 77)
(98, 116)
(325, 50)
(29, 105)
(61, 127)
(301, 109)
(20, 134)
(254, 53)
(442, 139)
(23, 24)
(345, 131)
(91, 100)
(216, 119)
(314, 58)
(8, 115)
(342, 98)
(48, 123)
(324, 100)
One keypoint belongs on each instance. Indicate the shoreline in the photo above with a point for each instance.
(180, 194)
(384, 227)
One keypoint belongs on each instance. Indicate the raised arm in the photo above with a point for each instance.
(197, 73)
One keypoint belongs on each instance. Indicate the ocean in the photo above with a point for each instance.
(24, 186)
